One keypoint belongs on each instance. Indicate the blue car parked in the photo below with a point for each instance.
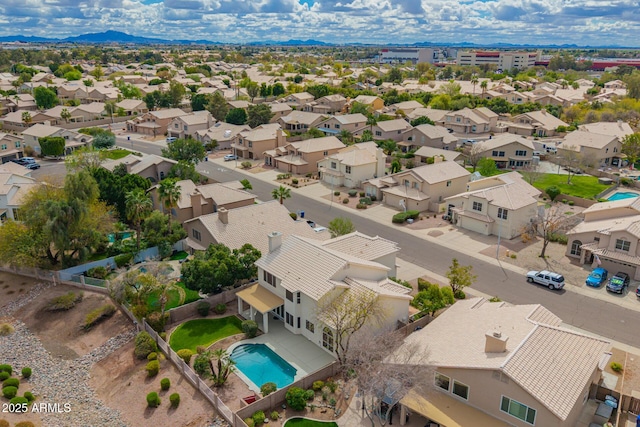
(597, 277)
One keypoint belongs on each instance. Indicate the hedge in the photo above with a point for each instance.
(174, 399)
(153, 400)
(401, 217)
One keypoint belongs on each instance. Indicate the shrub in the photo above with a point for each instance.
(185, 354)
(333, 386)
(345, 201)
(293, 215)
(325, 395)
(11, 382)
(373, 198)
(495, 299)
(4, 376)
(365, 200)
(19, 401)
(514, 256)
(615, 367)
(157, 321)
(97, 272)
(9, 392)
(353, 193)
(152, 356)
(220, 308)
(144, 345)
(258, 418)
(459, 294)
(153, 400)
(201, 365)
(249, 422)
(332, 402)
(165, 383)
(626, 182)
(447, 295)
(362, 194)
(174, 399)
(309, 394)
(309, 175)
(294, 181)
(564, 201)
(4, 423)
(296, 398)
(250, 328)
(268, 388)
(123, 260)
(29, 396)
(336, 193)
(26, 372)
(152, 368)
(201, 349)
(64, 302)
(274, 416)
(203, 308)
(317, 385)
(6, 368)
(571, 203)
(361, 206)
(25, 424)
(98, 315)
(552, 192)
(6, 329)
(246, 165)
(163, 335)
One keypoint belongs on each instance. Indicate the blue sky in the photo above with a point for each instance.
(582, 22)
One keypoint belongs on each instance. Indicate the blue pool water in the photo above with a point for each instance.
(121, 235)
(619, 195)
(261, 365)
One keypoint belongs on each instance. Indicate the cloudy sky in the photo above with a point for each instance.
(583, 22)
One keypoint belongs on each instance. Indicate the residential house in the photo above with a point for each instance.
(387, 129)
(431, 155)
(352, 165)
(279, 109)
(619, 128)
(374, 103)
(345, 122)
(186, 126)
(73, 139)
(539, 123)
(504, 376)
(298, 100)
(500, 205)
(252, 144)
(470, 121)
(428, 136)
(296, 291)
(223, 133)
(241, 103)
(507, 150)
(437, 116)
(301, 158)
(249, 224)
(14, 120)
(132, 107)
(300, 121)
(422, 188)
(154, 123)
(150, 166)
(11, 147)
(73, 90)
(196, 200)
(595, 149)
(91, 111)
(611, 232)
(325, 105)
(102, 94)
(14, 186)
(615, 84)
(403, 108)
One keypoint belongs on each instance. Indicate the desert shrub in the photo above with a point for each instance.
(157, 321)
(268, 388)
(6, 368)
(165, 383)
(325, 396)
(309, 394)
(152, 356)
(174, 399)
(615, 367)
(201, 349)
(571, 203)
(98, 315)
(495, 299)
(153, 400)
(29, 396)
(152, 368)
(4, 376)
(399, 218)
(258, 418)
(353, 193)
(373, 198)
(250, 328)
(203, 308)
(220, 308)
(361, 206)
(317, 385)
(97, 272)
(246, 165)
(64, 302)
(294, 181)
(19, 401)
(25, 424)
(332, 402)
(336, 193)
(558, 238)
(249, 422)
(6, 329)
(362, 194)
(459, 294)
(201, 365)
(333, 386)
(185, 354)
(4, 423)
(26, 372)
(123, 260)
(274, 416)
(296, 398)
(293, 215)
(345, 201)
(144, 345)
(513, 256)
(9, 392)
(564, 201)
(11, 382)
(366, 200)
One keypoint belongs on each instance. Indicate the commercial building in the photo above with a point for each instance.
(502, 60)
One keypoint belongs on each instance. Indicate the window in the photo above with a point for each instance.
(298, 296)
(186, 127)
(298, 323)
(310, 327)
(414, 185)
(460, 390)
(477, 206)
(250, 144)
(337, 126)
(500, 153)
(17, 144)
(347, 169)
(289, 318)
(196, 235)
(518, 410)
(623, 245)
(494, 153)
(327, 339)
(448, 183)
(269, 278)
(378, 133)
(473, 128)
(575, 248)
(290, 296)
(176, 126)
(333, 165)
(442, 381)
(521, 153)
(4, 146)
(502, 213)
(325, 153)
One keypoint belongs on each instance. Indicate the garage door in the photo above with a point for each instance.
(614, 266)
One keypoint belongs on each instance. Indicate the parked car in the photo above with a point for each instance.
(546, 278)
(597, 277)
(230, 157)
(618, 283)
(27, 162)
(171, 138)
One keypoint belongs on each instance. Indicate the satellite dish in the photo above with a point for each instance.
(227, 133)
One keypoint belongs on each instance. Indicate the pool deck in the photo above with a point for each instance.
(299, 352)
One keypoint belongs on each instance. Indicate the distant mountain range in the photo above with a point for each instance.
(117, 37)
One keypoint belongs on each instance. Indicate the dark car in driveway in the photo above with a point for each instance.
(618, 283)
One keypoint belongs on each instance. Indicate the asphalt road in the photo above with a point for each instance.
(591, 314)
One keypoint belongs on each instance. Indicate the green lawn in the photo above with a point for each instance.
(204, 332)
(496, 172)
(303, 422)
(178, 256)
(173, 299)
(118, 153)
(586, 187)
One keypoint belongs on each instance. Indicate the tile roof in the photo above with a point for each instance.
(39, 130)
(392, 125)
(356, 154)
(436, 172)
(168, 113)
(303, 117)
(224, 193)
(449, 155)
(148, 160)
(262, 132)
(510, 191)
(506, 139)
(362, 246)
(580, 138)
(314, 145)
(346, 119)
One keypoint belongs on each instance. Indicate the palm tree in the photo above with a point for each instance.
(389, 146)
(138, 206)
(110, 108)
(474, 82)
(26, 118)
(281, 193)
(65, 114)
(346, 137)
(225, 366)
(169, 193)
(483, 86)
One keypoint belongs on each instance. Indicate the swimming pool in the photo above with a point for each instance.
(619, 195)
(262, 365)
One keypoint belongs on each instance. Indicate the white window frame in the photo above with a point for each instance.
(435, 381)
(453, 386)
(477, 205)
(535, 411)
(621, 243)
(503, 213)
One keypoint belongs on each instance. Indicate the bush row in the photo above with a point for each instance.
(401, 217)
(98, 315)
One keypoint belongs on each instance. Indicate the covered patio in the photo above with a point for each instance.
(259, 300)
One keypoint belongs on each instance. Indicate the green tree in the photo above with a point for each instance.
(341, 226)
(52, 145)
(155, 231)
(281, 193)
(246, 184)
(487, 167)
(65, 115)
(188, 150)
(633, 85)
(223, 366)
(394, 75)
(422, 120)
(97, 72)
(395, 166)
(26, 118)
(45, 97)
(366, 136)
(184, 170)
(346, 137)
(483, 86)
(474, 82)
(460, 276)
(258, 115)
(217, 106)
(253, 90)
(278, 89)
(104, 140)
(176, 93)
(169, 193)
(138, 206)
(358, 107)
(552, 192)
(198, 102)
(236, 116)
(631, 147)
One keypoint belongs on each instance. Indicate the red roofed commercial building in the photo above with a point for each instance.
(502, 60)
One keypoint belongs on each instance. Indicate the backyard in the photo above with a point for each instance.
(304, 422)
(176, 296)
(203, 332)
(117, 153)
(584, 186)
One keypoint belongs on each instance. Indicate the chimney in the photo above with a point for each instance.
(223, 215)
(196, 204)
(280, 139)
(495, 342)
(275, 240)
